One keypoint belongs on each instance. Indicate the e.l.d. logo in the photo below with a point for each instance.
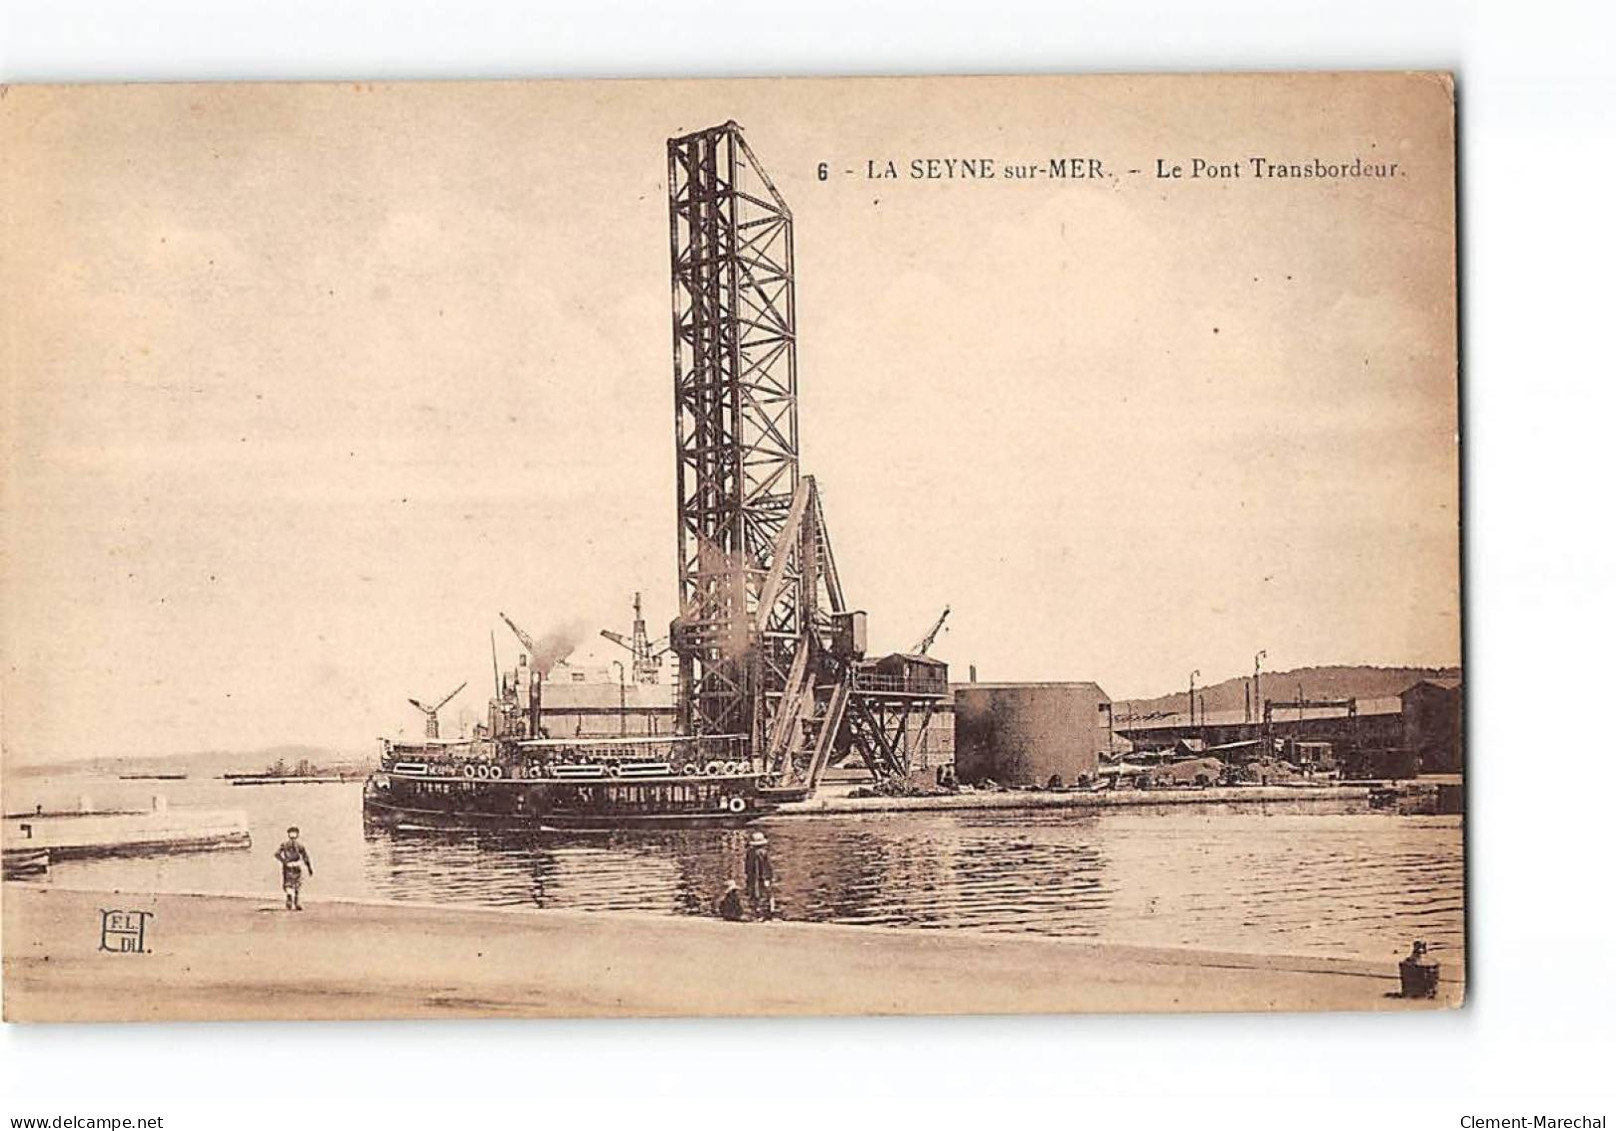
(124, 932)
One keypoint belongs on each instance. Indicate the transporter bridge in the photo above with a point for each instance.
(766, 644)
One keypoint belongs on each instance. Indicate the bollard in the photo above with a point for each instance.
(1418, 974)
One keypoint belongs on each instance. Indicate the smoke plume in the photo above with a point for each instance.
(551, 647)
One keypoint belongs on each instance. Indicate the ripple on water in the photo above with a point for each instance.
(1279, 878)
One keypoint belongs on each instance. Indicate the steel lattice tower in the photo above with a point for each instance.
(735, 404)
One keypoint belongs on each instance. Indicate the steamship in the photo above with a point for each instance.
(510, 772)
(660, 781)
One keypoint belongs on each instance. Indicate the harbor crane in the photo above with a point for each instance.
(542, 655)
(431, 712)
(528, 642)
(647, 665)
(529, 695)
(1301, 705)
(930, 638)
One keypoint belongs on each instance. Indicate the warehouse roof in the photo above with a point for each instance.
(1386, 705)
(1088, 683)
(912, 657)
(1447, 683)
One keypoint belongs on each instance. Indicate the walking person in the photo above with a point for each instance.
(294, 858)
(760, 876)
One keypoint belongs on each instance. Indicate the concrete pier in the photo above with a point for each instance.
(161, 829)
(828, 803)
(244, 957)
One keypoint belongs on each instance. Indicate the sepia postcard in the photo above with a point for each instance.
(731, 547)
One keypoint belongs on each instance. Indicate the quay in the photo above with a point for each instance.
(239, 957)
(79, 834)
(827, 804)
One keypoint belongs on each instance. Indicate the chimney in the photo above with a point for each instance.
(535, 727)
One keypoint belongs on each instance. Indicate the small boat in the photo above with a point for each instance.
(24, 863)
(285, 779)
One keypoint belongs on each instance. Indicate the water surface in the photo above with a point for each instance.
(1294, 878)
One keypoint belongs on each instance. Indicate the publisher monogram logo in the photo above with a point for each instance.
(124, 932)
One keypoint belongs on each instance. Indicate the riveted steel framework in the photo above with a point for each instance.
(735, 403)
(760, 597)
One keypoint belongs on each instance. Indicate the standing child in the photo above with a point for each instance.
(294, 858)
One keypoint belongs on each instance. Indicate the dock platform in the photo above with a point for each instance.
(215, 957)
(825, 803)
(77, 835)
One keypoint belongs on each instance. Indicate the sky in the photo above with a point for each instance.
(304, 384)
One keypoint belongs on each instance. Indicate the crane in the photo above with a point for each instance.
(431, 712)
(647, 655)
(540, 658)
(930, 638)
(546, 652)
(528, 642)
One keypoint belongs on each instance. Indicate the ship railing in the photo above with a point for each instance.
(648, 756)
(665, 750)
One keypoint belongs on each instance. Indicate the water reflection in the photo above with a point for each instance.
(1285, 882)
(1279, 878)
(940, 874)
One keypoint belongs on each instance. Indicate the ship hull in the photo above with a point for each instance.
(648, 803)
(666, 781)
(388, 815)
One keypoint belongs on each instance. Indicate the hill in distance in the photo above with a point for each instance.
(1330, 681)
(208, 763)
(1333, 681)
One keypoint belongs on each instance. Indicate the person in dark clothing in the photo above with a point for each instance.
(294, 858)
(760, 876)
(729, 904)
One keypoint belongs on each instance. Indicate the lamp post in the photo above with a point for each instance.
(1256, 679)
(622, 700)
(1301, 715)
